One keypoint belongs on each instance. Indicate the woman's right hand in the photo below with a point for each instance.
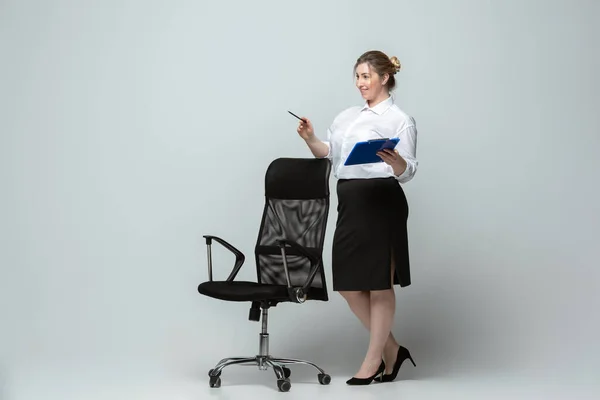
(306, 132)
(305, 129)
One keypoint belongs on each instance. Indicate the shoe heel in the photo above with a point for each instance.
(402, 355)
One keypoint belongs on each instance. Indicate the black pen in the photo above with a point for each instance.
(301, 119)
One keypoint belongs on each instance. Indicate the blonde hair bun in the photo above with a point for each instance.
(396, 63)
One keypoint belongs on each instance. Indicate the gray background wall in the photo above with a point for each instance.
(127, 132)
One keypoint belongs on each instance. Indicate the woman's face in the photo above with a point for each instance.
(369, 82)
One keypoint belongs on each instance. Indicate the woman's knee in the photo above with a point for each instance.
(351, 295)
(382, 295)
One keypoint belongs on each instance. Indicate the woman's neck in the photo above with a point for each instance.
(382, 97)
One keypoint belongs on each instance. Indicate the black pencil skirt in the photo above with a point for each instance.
(371, 231)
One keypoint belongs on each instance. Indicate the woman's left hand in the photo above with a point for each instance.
(393, 159)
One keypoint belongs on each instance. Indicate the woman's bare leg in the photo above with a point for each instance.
(390, 350)
(360, 305)
(382, 315)
(382, 304)
(360, 302)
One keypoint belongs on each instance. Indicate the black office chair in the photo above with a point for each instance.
(288, 256)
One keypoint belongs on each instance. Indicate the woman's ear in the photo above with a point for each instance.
(385, 77)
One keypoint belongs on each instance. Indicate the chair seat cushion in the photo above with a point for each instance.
(243, 291)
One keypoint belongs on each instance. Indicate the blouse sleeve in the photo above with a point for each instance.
(407, 148)
(327, 142)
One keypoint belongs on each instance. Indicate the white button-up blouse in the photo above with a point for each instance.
(355, 124)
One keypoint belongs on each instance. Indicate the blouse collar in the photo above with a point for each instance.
(380, 108)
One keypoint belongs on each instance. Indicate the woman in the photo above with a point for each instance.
(370, 245)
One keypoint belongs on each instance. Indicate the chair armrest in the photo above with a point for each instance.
(299, 294)
(239, 256)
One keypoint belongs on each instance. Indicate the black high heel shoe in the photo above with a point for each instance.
(365, 381)
(402, 355)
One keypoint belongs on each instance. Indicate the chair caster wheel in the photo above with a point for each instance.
(287, 372)
(284, 385)
(324, 379)
(215, 382)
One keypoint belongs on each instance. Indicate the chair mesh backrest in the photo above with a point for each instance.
(296, 208)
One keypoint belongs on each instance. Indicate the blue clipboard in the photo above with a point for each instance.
(366, 152)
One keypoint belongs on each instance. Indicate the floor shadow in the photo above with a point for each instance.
(440, 325)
